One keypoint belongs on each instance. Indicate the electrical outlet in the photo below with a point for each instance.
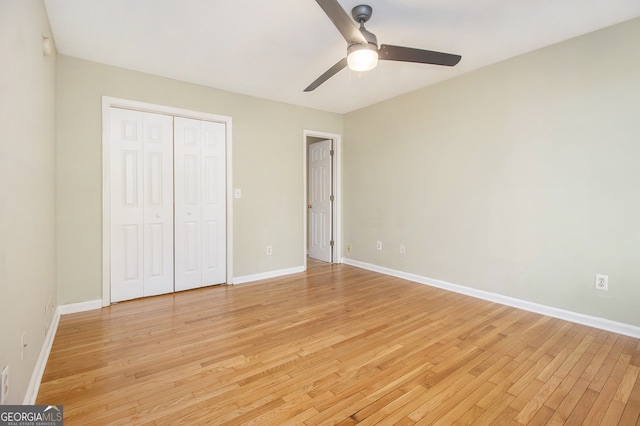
(602, 282)
(403, 249)
(269, 250)
(348, 248)
(4, 381)
(237, 193)
(379, 245)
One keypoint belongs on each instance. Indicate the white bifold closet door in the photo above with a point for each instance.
(200, 203)
(141, 194)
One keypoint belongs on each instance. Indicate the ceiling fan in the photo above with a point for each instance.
(362, 46)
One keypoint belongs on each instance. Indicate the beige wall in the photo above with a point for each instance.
(521, 178)
(27, 187)
(267, 166)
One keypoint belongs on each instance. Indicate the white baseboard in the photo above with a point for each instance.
(266, 275)
(36, 377)
(575, 317)
(73, 308)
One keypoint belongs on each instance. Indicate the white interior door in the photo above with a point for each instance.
(141, 155)
(200, 203)
(319, 166)
(214, 203)
(158, 204)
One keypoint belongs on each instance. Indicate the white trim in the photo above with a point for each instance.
(106, 204)
(38, 370)
(575, 317)
(229, 178)
(73, 308)
(337, 192)
(266, 275)
(108, 102)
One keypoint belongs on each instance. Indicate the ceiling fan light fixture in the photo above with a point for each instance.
(362, 45)
(362, 57)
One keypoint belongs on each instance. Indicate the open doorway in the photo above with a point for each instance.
(322, 199)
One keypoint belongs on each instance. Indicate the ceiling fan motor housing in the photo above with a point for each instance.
(361, 13)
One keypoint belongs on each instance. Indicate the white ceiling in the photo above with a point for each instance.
(274, 49)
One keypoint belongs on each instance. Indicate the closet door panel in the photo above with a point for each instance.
(188, 203)
(126, 170)
(200, 210)
(158, 207)
(214, 203)
(141, 170)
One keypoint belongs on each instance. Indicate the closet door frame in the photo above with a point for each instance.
(109, 102)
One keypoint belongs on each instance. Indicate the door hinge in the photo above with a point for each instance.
(331, 152)
(331, 243)
(330, 197)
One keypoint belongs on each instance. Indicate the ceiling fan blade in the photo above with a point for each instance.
(327, 75)
(342, 21)
(389, 52)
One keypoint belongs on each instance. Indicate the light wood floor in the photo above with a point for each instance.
(336, 345)
(315, 263)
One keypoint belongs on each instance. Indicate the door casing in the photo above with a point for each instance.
(107, 103)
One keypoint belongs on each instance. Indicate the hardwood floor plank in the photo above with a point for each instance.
(582, 408)
(604, 399)
(629, 379)
(541, 417)
(606, 368)
(566, 358)
(499, 403)
(537, 401)
(529, 376)
(568, 382)
(470, 417)
(335, 345)
(631, 411)
(397, 413)
(463, 402)
(572, 396)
